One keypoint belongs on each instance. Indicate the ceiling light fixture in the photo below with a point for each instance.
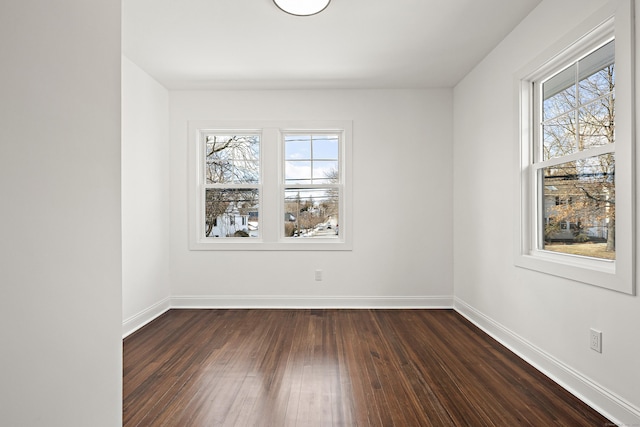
(302, 7)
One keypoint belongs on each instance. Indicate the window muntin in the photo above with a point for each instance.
(578, 115)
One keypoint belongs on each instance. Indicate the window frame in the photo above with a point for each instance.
(611, 22)
(271, 186)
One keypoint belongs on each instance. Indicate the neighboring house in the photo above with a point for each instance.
(233, 221)
(593, 228)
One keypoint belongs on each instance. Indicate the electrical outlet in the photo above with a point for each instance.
(318, 275)
(595, 341)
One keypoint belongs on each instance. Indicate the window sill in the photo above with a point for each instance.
(283, 245)
(602, 273)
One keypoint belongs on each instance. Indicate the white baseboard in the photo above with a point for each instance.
(284, 301)
(612, 406)
(137, 321)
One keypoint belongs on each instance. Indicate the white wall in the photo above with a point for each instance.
(545, 318)
(145, 197)
(60, 246)
(402, 169)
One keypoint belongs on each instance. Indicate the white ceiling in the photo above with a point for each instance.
(237, 44)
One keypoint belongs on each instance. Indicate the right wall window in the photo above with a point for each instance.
(576, 169)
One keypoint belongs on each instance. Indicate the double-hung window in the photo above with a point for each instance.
(270, 185)
(231, 180)
(312, 184)
(576, 165)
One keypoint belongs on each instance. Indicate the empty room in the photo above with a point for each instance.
(319, 213)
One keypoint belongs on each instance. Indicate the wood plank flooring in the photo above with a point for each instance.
(193, 368)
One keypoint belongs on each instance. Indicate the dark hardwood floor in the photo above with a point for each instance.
(193, 368)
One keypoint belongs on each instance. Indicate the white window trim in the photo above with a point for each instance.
(615, 19)
(271, 234)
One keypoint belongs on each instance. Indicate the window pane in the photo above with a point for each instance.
(297, 172)
(231, 212)
(297, 147)
(597, 85)
(325, 172)
(597, 73)
(559, 136)
(325, 147)
(232, 159)
(596, 123)
(311, 212)
(579, 207)
(559, 93)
